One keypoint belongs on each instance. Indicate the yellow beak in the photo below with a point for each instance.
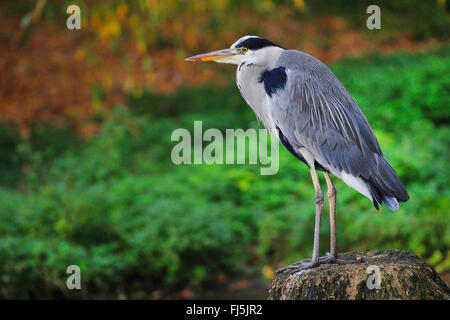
(215, 55)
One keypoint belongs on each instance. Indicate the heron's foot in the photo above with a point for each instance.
(299, 265)
(309, 264)
(333, 259)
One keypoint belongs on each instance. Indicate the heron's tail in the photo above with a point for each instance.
(386, 186)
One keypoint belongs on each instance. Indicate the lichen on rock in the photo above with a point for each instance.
(400, 275)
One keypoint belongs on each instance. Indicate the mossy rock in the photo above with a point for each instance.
(402, 275)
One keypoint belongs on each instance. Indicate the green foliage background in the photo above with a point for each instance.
(139, 225)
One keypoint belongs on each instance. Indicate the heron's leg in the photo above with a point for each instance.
(319, 205)
(332, 256)
(315, 260)
(332, 202)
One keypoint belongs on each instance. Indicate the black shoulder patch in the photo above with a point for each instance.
(255, 43)
(273, 80)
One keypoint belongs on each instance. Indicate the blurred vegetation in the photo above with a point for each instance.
(56, 75)
(139, 226)
(186, 24)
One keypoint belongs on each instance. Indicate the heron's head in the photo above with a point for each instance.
(250, 49)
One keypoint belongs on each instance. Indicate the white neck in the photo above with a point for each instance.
(264, 58)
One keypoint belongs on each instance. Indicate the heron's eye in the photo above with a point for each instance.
(244, 49)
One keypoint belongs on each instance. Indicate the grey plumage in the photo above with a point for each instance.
(316, 112)
(318, 121)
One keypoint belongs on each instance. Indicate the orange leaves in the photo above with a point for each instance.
(121, 12)
(125, 46)
(299, 5)
(191, 37)
(109, 30)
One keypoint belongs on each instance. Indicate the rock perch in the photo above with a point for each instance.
(376, 275)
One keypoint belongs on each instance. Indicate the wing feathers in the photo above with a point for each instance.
(315, 111)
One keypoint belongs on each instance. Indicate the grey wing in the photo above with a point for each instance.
(315, 112)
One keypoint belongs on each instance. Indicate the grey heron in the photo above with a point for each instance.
(316, 120)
